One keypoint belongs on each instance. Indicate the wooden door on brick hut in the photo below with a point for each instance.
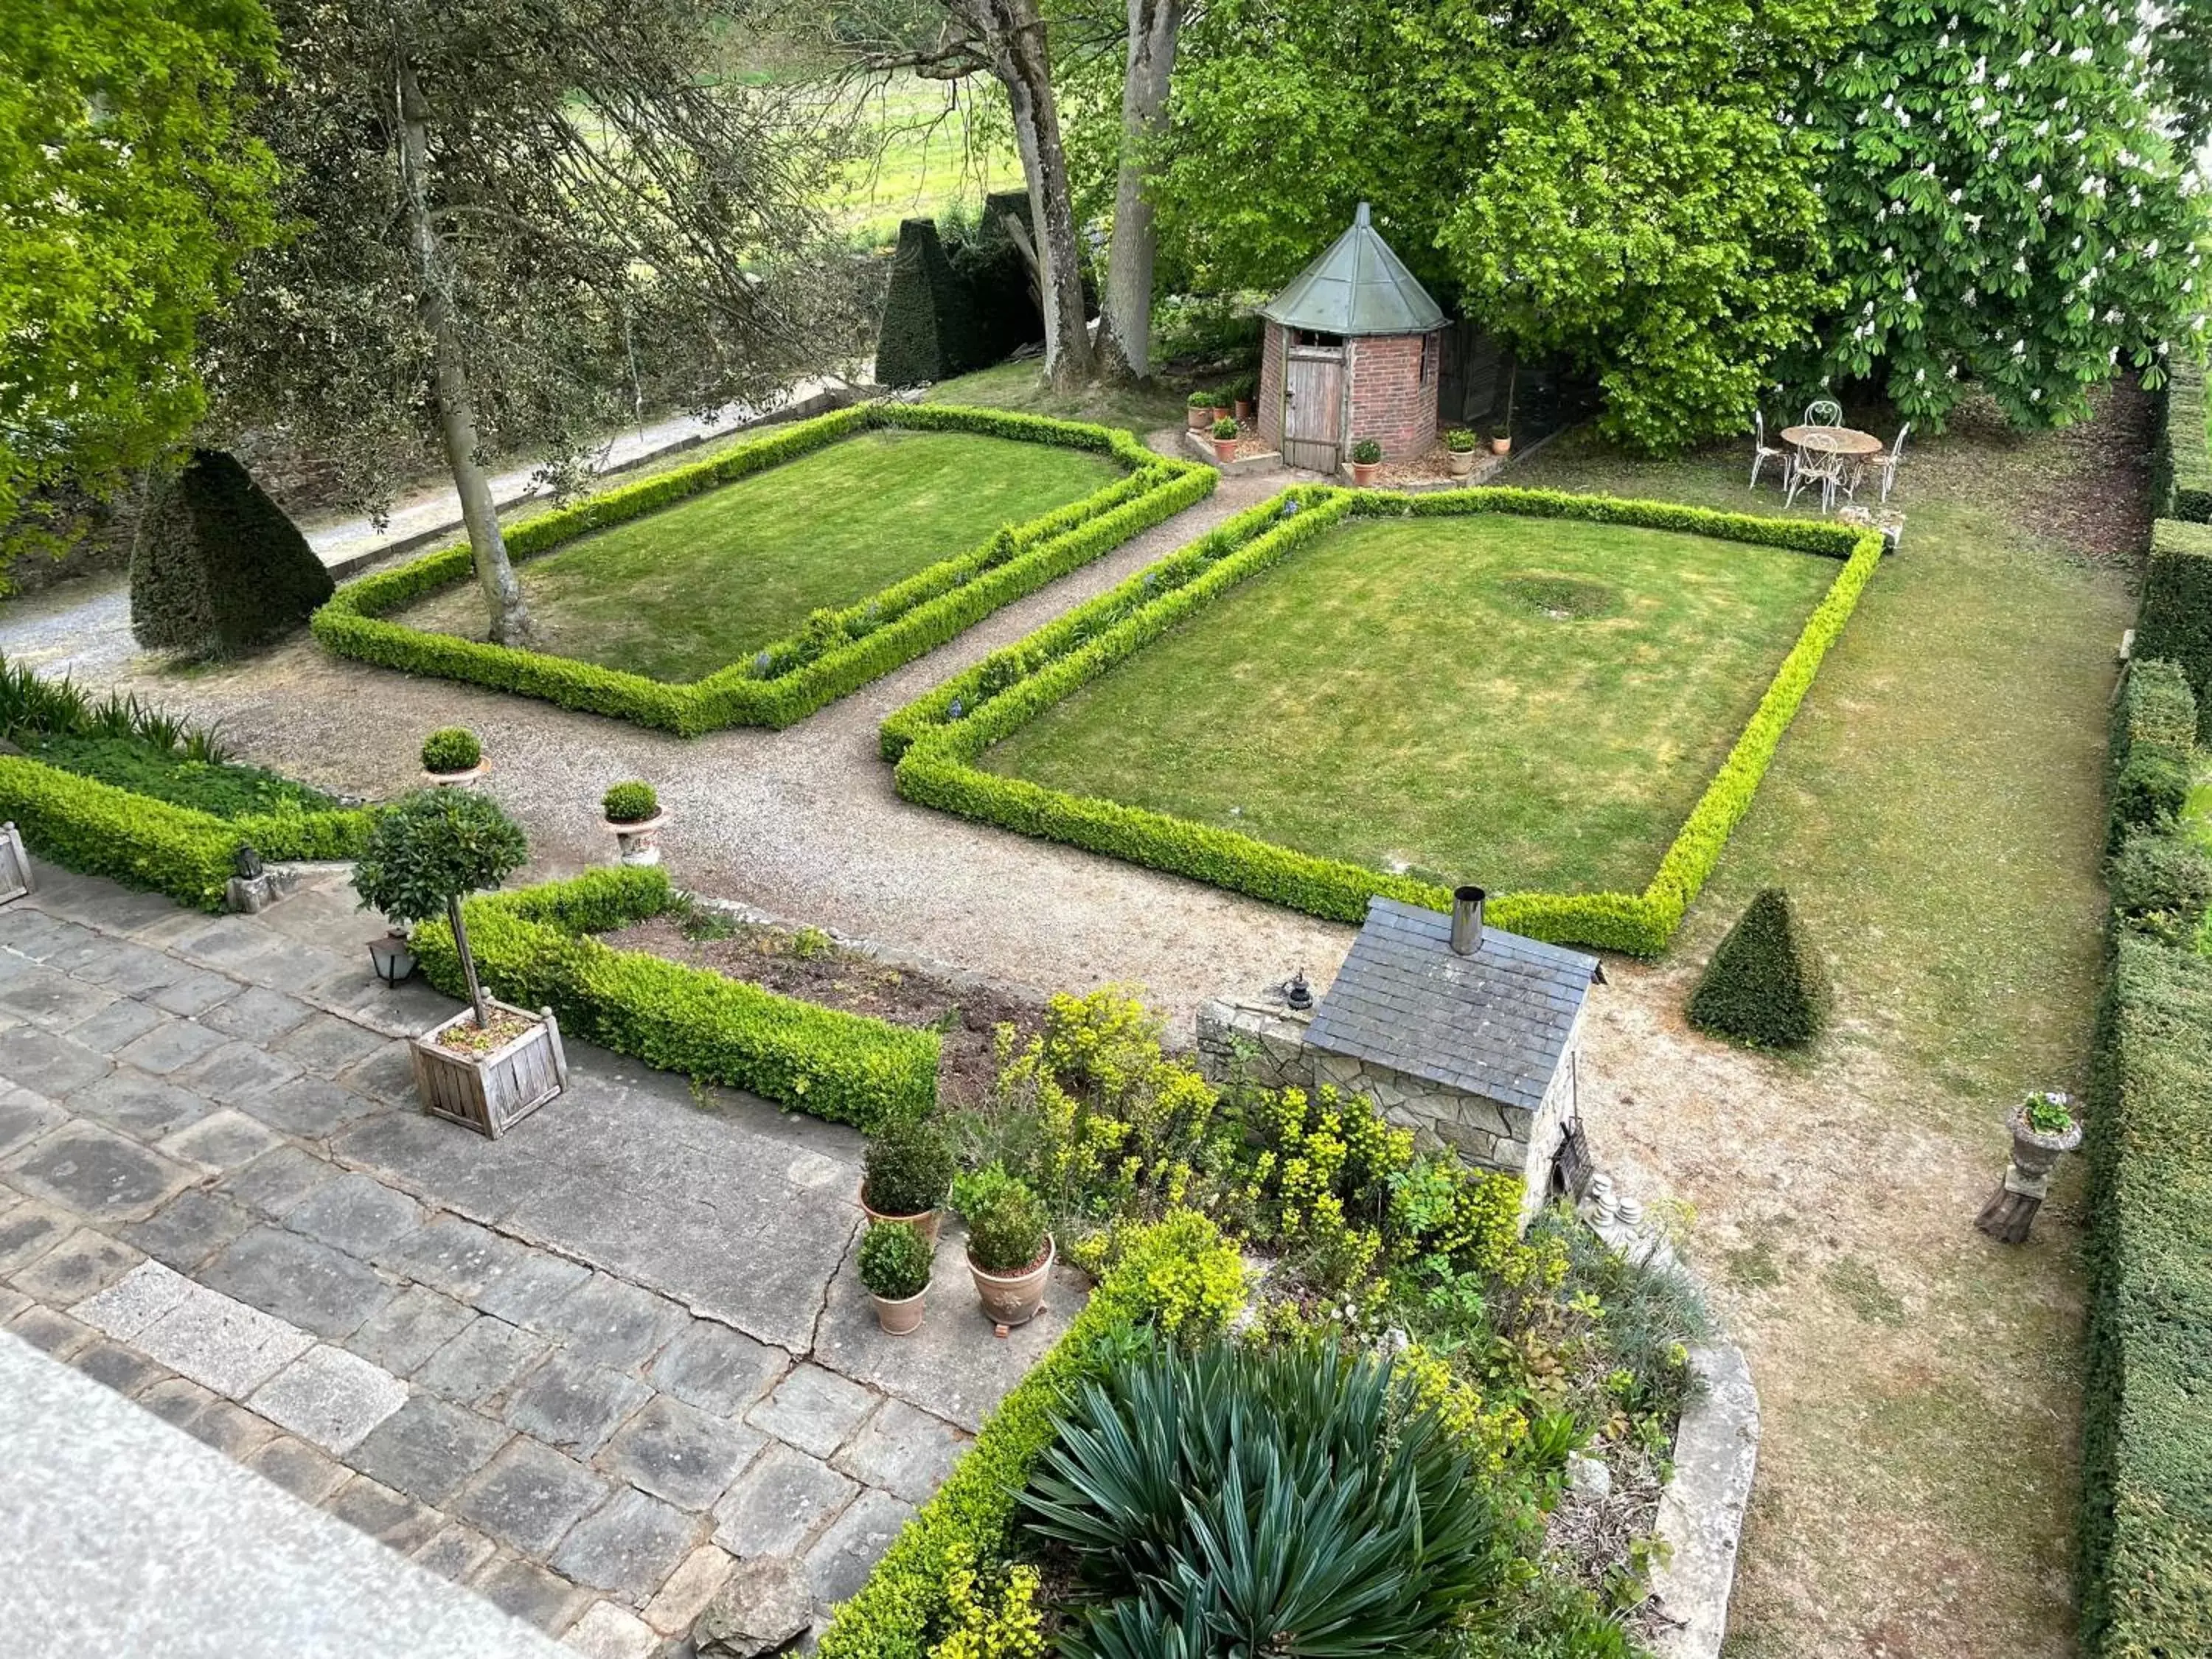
(1313, 404)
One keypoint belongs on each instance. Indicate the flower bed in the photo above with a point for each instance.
(837, 652)
(936, 740)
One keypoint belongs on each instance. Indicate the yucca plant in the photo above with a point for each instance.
(1291, 1501)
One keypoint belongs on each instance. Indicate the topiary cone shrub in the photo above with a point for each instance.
(216, 566)
(1766, 985)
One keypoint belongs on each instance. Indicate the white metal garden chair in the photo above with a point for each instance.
(1823, 411)
(1763, 451)
(1821, 466)
(1886, 463)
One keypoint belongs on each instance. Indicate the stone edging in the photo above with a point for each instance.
(1701, 1510)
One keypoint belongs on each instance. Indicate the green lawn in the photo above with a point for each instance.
(1533, 704)
(930, 156)
(701, 585)
(1019, 385)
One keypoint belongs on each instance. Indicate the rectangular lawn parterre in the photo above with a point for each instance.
(1524, 703)
(695, 587)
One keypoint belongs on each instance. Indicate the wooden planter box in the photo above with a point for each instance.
(492, 1092)
(15, 865)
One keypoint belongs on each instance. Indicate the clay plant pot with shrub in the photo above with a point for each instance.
(1199, 408)
(1367, 462)
(1245, 392)
(1010, 1252)
(909, 1171)
(895, 1264)
(1224, 442)
(491, 1065)
(1459, 451)
(452, 759)
(2043, 1129)
(633, 817)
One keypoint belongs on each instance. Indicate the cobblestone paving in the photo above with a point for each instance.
(583, 1369)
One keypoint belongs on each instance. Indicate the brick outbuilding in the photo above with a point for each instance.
(1352, 349)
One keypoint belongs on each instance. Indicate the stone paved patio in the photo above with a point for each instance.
(582, 1370)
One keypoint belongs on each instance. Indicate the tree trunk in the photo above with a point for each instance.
(1125, 321)
(468, 960)
(1014, 36)
(449, 384)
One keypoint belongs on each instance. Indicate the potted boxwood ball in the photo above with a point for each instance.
(1009, 1250)
(895, 1264)
(452, 756)
(1459, 451)
(908, 1169)
(1199, 405)
(2044, 1128)
(633, 815)
(1366, 461)
(1224, 442)
(492, 1063)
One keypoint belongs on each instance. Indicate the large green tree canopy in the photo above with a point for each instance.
(1609, 179)
(127, 193)
(2003, 205)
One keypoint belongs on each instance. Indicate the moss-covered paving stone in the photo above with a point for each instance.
(705, 583)
(1527, 703)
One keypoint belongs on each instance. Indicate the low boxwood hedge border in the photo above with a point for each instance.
(533, 946)
(792, 678)
(2181, 463)
(936, 739)
(900, 1610)
(98, 830)
(2175, 619)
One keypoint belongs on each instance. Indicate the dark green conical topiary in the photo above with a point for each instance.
(1766, 985)
(928, 330)
(217, 566)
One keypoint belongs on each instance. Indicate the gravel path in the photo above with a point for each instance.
(802, 824)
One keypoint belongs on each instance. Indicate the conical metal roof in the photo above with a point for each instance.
(1357, 286)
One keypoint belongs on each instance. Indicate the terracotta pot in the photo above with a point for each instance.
(1363, 472)
(638, 843)
(1459, 462)
(1224, 450)
(1013, 1299)
(1201, 419)
(1224, 412)
(1501, 446)
(902, 1317)
(1243, 409)
(923, 1222)
(457, 779)
(2035, 1153)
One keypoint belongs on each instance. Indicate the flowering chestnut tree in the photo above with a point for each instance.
(2003, 206)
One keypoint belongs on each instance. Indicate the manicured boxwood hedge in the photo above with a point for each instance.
(533, 947)
(2175, 622)
(936, 739)
(98, 830)
(2181, 473)
(900, 1610)
(796, 676)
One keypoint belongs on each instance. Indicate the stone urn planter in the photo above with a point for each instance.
(1200, 416)
(15, 865)
(1459, 463)
(456, 780)
(493, 1089)
(927, 1223)
(1501, 446)
(2034, 1153)
(452, 758)
(638, 844)
(1012, 1299)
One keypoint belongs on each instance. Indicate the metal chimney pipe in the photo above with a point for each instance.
(1466, 919)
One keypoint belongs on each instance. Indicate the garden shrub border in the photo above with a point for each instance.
(2181, 459)
(795, 676)
(895, 1613)
(98, 830)
(2174, 619)
(935, 740)
(533, 947)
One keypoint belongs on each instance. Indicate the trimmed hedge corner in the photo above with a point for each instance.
(935, 739)
(792, 679)
(2146, 1495)
(2175, 622)
(899, 1612)
(1764, 984)
(2181, 465)
(98, 830)
(533, 947)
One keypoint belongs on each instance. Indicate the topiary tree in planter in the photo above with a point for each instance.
(216, 567)
(1764, 985)
(429, 850)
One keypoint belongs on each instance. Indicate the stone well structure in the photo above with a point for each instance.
(1466, 1034)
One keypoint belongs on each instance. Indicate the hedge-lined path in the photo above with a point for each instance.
(581, 1369)
(802, 823)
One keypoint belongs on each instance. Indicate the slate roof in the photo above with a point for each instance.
(1493, 1023)
(1357, 286)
